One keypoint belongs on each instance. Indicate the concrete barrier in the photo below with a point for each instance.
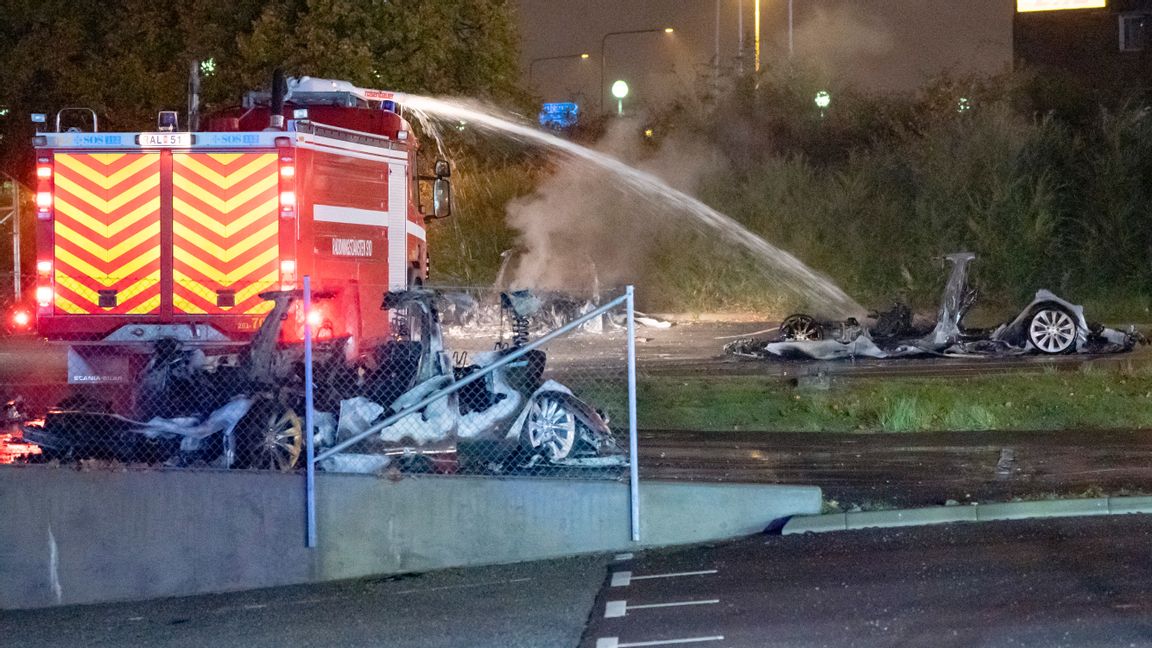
(70, 536)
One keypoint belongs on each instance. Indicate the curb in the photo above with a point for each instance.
(967, 513)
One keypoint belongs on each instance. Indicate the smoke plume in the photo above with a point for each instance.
(580, 229)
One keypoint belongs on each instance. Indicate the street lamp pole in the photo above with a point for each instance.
(756, 36)
(583, 56)
(604, 44)
(789, 28)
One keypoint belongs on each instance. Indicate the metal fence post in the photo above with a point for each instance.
(309, 449)
(633, 453)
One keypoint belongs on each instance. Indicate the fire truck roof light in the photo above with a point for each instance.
(315, 319)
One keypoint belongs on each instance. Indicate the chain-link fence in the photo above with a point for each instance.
(477, 381)
(212, 387)
(227, 387)
(418, 382)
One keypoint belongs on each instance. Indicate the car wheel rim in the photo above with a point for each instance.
(551, 428)
(282, 442)
(802, 329)
(1052, 331)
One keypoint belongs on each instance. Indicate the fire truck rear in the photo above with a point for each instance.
(171, 234)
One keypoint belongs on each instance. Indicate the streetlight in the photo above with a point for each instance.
(620, 90)
(823, 100)
(604, 43)
(583, 56)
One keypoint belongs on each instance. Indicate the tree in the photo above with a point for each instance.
(127, 59)
(460, 47)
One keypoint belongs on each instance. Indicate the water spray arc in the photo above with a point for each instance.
(798, 278)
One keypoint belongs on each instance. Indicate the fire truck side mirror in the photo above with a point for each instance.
(441, 198)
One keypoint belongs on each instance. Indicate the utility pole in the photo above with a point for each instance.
(740, 34)
(789, 28)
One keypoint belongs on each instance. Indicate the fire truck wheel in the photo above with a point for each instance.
(274, 439)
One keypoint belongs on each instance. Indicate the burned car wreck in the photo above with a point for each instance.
(511, 419)
(189, 409)
(1048, 325)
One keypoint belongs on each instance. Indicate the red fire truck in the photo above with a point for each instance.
(175, 234)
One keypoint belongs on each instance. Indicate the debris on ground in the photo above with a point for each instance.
(1048, 325)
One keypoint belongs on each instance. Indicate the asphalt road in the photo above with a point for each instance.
(530, 605)
(1075, 582)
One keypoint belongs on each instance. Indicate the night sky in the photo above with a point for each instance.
(880, 45)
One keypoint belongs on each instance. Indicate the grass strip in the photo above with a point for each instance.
(1089, 399)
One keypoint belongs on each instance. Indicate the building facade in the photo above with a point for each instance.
(1105, 46)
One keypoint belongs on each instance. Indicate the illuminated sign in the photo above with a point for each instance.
(559, 115)
(1056, 5)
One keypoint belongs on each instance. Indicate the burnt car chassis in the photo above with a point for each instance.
(1048, 325)
(189, 411)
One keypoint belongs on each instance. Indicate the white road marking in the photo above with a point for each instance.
(623, 579)
(676, 604)
(614, 642)
(614, 609)
(624, 556)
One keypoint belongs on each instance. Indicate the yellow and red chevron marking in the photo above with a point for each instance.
(107, 227)
(225, 230)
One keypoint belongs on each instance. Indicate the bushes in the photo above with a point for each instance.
(1041, 202)
(873, 193)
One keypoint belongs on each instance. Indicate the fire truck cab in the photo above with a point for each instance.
(176, 234)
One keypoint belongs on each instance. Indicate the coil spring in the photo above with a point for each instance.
(519, 331)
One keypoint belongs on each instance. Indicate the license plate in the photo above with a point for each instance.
(164, 140)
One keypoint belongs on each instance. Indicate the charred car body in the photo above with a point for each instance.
(1048, 325)
(190, 409)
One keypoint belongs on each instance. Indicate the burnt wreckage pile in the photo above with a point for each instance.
(190, 409)
(1048, 325)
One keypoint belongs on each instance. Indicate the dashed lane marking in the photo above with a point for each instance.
(614, 609)
(614, 642)
(624, 556)
(625, 578)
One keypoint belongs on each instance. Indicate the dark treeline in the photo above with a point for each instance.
(127, 59)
